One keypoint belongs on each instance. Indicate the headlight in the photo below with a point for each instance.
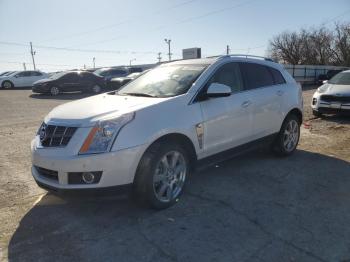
(103, 134)
(322, 88)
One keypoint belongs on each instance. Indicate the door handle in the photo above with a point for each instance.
(246, 103)
(280, 92)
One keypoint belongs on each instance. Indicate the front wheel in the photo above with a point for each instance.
(288, 137)
(54, 91)
(162, 174)
(7, 85)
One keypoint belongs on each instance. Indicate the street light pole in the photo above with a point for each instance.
(134, 59)
(168, 41)
(93, 61)
(32, 53)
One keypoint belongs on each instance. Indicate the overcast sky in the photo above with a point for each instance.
(68, 34)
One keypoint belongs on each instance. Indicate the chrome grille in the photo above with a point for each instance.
(54, 136)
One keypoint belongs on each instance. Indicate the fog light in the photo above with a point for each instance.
(88, 177)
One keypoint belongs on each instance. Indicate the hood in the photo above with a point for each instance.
(41, 81)
(337, 89)
(86, 112)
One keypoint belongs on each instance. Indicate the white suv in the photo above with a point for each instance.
(152, 132)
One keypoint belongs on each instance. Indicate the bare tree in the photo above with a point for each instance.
(317, 46)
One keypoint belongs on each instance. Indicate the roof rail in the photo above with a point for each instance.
(242, 55)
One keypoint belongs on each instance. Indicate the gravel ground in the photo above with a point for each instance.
(252, 208)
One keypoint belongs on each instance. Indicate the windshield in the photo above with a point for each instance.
(340, 79)
(58, 75)
(164, 81)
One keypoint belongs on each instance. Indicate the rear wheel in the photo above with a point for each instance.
(7, 84)
(288, 137)
(162, 174)
(54, 91)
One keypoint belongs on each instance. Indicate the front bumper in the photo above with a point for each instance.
(118, 168)
(329, 107)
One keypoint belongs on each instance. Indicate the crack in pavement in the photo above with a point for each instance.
(159, 249)
(257, 224)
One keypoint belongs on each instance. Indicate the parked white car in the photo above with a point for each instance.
(154, 131)
(21, 79)
(333, 96)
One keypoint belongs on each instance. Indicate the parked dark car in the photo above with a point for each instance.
(118, 82)
(70, 81)
(327, 76)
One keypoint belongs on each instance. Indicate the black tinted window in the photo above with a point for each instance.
(117, 72)
(256, 75)
(230, 75)
(71, 77)
(277, 76)
(87, 76)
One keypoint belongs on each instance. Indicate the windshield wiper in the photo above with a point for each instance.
(138, 94)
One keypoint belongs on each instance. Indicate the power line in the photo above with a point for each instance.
(131, 20)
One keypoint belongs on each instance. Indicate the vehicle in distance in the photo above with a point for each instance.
(153, 132)
(333, 96)
(328, 75)
(21, 79)
(69, 81)
(118, 82)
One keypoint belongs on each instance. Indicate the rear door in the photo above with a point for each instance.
(227, 121)
(267, 98)
(22, 79)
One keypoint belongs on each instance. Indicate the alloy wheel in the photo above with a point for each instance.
(291, 135)
(170, 176)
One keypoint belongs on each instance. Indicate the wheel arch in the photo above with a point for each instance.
(7, 80)
(297, 112)
(181, 139)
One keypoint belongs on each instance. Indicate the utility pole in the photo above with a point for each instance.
(168, 41)
(32, 53)
(24, 67)
(227, 50)
(93, 61)
(159, 57)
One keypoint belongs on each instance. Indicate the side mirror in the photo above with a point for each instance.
(325, 81)
(218, 90)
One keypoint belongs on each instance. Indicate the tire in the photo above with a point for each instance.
(7, 84)
(316, 113)
(161, 175)
(96, 89)
(288, 138)
(54, 90)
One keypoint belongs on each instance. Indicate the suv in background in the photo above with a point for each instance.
(154, 131)
(21, 79)
(327, 76)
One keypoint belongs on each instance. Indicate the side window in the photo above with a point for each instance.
(24, 74)
(277, 76)
(36, 73)
(87, 76)
(256, 75)
(71, 77)
(230, 75)
(118, 72)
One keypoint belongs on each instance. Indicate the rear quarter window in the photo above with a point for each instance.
(277, 76)
(256, 75)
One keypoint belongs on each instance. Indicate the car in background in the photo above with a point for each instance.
(69, 81)
(333, 96)
(155, 130)
(327, 76)
(109, 73)
(118, 82)
(21, 79)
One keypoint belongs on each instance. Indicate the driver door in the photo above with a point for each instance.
(227, 121)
